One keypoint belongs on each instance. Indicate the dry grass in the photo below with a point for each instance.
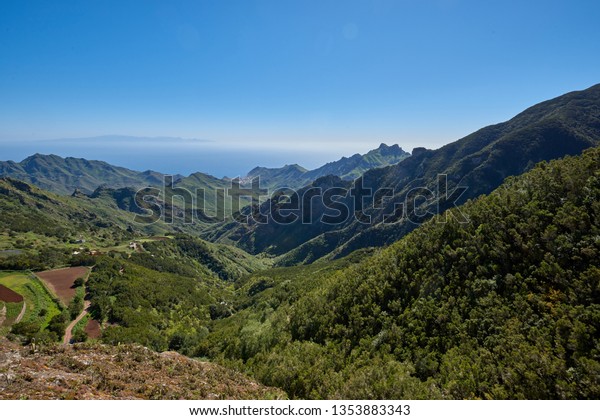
(95, 371)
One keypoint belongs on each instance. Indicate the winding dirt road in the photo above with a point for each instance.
(69, 330)
(21, 314)
(2, 314)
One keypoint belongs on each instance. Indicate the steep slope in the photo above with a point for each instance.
(504, 306)
(64, 175)
(566, 125)
(272, 178)
(347, 168)
(356, 165)
(96, 371)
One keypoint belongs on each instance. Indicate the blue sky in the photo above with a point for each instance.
(274, 82)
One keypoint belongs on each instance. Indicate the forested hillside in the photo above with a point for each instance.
(504, 306)
(497, 298)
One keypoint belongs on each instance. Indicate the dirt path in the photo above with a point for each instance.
(2, 314)
(21, 314)
(69, 330)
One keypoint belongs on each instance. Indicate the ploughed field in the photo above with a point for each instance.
(9, 296)
(61, 281)
(92, 329)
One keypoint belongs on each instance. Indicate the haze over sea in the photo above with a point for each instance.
(172, 155)
(277, 82)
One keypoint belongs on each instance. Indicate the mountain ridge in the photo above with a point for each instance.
(295, 176)
(565, 125)
(64, 175)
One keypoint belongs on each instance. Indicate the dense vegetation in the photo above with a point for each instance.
(505, 306)
(159, 310)
(165, 297)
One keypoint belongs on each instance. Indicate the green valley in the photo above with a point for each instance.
(494, 294)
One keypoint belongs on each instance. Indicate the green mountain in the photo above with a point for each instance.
(42, 229)
(290, 176)
(90, 177)
(37, 221)
(566, 125)
(504, 306)
(347, 168)
(64, 175)
(79, 177)
(498, 298)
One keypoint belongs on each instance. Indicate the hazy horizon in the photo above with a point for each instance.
(271, 83)
(177, 155)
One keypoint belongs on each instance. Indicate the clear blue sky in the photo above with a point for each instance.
(306, 81)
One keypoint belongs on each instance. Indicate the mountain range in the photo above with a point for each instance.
(479, 162)
(65, 175)
(478, 276)
(347, 168)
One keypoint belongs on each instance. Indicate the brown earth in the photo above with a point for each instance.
(61, 281)
(95, 371)
(10, 296)
(92, 329)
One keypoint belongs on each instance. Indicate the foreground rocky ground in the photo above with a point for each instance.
(94, 371)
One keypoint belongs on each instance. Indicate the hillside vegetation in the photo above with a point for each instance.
(65, 175)
(498, 298)
(504, 306)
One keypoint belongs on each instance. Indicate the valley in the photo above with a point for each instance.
(493, 293)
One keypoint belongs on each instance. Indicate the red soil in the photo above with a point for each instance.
(61, 281)
(92, 329)
(9, 296)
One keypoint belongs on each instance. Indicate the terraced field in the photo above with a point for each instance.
(11, 306)
(40, 304)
